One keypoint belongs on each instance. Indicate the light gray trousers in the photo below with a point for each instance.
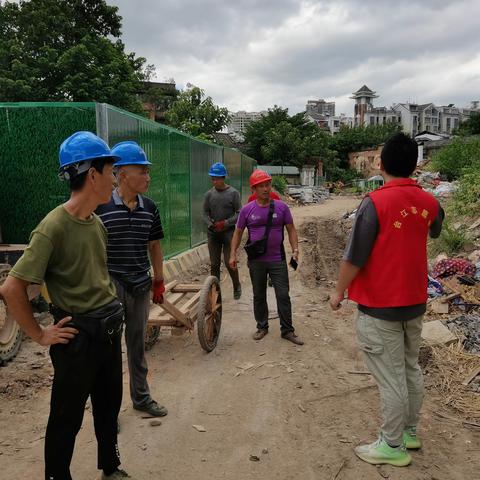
(391, 352)
(136, 317)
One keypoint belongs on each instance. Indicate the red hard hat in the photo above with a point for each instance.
(259, 176)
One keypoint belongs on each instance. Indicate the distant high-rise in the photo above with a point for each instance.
(320, 107)
(239, 121)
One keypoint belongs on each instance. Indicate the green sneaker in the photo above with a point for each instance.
(381, 452)
(410, 439)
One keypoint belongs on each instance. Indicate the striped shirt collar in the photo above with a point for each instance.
(118, 201)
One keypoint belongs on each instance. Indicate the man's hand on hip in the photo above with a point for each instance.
(57, 333)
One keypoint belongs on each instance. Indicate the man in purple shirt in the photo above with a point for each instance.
(254, 217)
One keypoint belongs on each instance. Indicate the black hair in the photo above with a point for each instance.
(77, 182)
(399, 155)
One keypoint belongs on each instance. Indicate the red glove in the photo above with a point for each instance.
(219, 226)
(158, 291)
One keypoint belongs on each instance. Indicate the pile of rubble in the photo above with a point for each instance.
(304, 194)
(433, 182)
(467, 328)
(454, 290)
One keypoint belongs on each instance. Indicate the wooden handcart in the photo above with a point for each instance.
(185, 304)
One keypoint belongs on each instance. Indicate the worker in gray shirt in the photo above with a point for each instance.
(220, 212)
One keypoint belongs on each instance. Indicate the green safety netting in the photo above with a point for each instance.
(31, 133)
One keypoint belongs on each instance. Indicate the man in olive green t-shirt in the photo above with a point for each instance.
(67, 251)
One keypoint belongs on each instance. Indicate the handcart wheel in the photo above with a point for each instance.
(10, 333)
(209, 317)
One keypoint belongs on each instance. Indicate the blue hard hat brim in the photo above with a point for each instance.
(115, 158)
(127, 162)
(216, 175)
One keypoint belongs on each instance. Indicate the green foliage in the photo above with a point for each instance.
(456, 157)
(470, 126)
(195, 114)
(466, 199)
(280, 139)
(66, 50)
(357, 138)
(279, 184)
(451, 240)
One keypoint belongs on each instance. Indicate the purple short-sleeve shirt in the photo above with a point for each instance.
(254, 217)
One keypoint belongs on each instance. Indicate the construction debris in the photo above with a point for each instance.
(467, 327)
(436, 333)
(452, 366)
(304, 194)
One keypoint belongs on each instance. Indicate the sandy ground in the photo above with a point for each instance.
(299, 410)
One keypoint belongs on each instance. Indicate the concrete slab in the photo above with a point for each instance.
(436, 333)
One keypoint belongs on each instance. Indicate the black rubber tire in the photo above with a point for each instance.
(11, 335)
(151, 336)
(208, 324)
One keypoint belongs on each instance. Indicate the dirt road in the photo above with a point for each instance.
(300, 410)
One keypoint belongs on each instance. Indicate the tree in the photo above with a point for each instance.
(197, 115)
(280, 139)
(256, 131)
(66, 50)
(470, 126)
(350, 139)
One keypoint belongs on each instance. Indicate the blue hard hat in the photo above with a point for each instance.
(82, 146)
(218, 170)
(129, 153)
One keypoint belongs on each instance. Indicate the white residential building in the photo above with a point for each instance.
(414, 118)
(240, 120)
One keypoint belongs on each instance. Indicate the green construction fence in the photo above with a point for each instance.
(30, 136)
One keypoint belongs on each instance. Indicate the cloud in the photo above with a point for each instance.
(252, 54)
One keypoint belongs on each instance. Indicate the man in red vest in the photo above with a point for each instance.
(384, 269)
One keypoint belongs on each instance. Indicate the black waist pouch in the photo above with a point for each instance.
(256, 249)
(100, 325)
(135, 284)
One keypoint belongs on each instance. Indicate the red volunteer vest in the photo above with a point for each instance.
(396, 274)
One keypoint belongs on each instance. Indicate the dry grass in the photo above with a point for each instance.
(452, 365)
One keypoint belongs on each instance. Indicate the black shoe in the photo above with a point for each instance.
(152, 408)
(117, 474)
(260, 333)
(292, 337)
(237, 293)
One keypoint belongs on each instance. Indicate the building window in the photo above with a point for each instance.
(372, 120)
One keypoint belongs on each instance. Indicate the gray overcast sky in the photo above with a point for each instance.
(252, 54)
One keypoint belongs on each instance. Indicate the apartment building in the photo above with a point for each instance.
(239, 121)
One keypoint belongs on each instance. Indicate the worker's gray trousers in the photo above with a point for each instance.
(391, 352)
(218, 242)
(278, 272)
(136, 317)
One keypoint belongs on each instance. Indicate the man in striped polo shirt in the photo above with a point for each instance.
(134, 231)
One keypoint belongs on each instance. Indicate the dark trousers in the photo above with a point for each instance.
(278, 273)
(83, 367)
(136, 309)
(218, 241)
